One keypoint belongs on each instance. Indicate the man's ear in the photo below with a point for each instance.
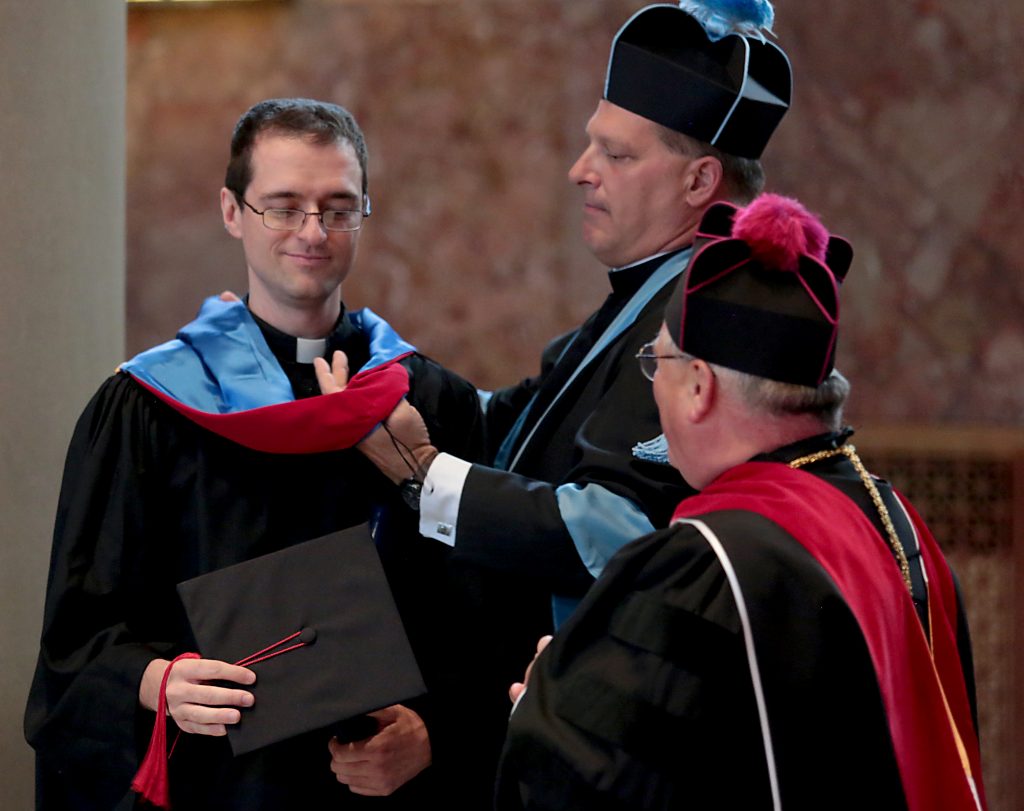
(232, 213)
(702, 385)
(705, 181)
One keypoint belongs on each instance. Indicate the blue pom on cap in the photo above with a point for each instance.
(752, 18)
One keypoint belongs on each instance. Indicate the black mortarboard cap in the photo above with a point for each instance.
(317, 624)
(730, 92)
(761, 292)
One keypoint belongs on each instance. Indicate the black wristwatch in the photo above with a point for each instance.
(410, 489)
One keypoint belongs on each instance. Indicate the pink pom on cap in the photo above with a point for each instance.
(779, 230)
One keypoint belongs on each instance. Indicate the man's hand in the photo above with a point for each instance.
(196, 706)
(333, 378)
(519, 687)
(378, 765)
(400, 447)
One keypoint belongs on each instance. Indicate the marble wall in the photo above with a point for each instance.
(904, 135)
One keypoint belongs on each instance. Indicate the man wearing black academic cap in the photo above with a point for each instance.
(796, 639)
(212, 449)
(579, 465)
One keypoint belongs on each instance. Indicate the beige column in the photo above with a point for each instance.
(61, 297)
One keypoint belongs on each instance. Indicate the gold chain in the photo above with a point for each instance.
(850, 453)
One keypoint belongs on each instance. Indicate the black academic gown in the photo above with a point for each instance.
(644, 699)
(150, 499)
(516, 522)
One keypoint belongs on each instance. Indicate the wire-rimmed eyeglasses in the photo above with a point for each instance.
(648, 359)
(293, 219)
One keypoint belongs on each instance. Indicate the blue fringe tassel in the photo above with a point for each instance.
(653, 450)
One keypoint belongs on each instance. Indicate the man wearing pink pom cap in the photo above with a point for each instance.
(795, 639)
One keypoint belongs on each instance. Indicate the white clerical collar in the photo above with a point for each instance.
(641, 261)
(306, 349)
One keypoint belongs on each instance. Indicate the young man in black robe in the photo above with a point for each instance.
(795, 640)
(579, 465)
(212, 449)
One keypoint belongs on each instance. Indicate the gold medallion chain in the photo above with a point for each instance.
(850, 453)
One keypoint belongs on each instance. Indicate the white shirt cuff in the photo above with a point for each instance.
(441, 496)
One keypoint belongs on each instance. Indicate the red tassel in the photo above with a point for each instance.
(151, 779)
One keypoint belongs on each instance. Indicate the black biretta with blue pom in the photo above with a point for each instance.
(706, 72)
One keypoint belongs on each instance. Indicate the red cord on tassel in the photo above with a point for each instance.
(151, 779)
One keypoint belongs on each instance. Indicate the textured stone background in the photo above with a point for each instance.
(904, 135)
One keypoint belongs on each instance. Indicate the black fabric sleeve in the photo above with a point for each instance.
(450, 407)
(595, 731)
(464, 711)
(83, 716)
(520, 532)
(586, 484)
(645, 697)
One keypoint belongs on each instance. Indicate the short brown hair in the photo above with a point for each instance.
(319, 121)
(743, 178)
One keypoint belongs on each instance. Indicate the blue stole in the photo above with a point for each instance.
(221, 363)
(665, 274)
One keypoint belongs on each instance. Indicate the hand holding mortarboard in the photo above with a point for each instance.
(318, 626)
(198, 707)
